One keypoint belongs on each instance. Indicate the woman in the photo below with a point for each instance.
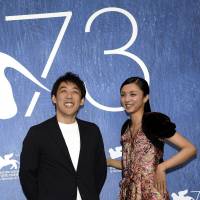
(143, 137)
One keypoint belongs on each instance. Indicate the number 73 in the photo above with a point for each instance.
(123, 51)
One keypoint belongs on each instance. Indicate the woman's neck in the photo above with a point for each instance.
(136, 119)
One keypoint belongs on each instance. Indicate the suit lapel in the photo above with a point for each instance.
(59, 140)
(82, 131)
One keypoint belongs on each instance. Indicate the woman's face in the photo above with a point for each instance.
(132, 98)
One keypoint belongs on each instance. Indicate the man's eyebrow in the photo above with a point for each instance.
(62, 87)
(74, 88)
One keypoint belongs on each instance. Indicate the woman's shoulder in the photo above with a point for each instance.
(156, 115)
(158, 125)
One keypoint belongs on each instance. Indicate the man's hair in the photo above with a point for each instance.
(72, 78)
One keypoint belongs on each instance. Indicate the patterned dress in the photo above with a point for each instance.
(140, 159)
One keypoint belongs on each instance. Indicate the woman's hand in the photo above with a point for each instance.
(109, 162)
(114, 163)
(160, 179)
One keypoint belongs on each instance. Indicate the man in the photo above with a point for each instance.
(63, 158)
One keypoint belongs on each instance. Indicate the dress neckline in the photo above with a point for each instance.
(133, 136)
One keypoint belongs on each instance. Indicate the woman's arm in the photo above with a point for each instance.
(114, 163)
(187, 151)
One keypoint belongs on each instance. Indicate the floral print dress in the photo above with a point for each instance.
(140, 159)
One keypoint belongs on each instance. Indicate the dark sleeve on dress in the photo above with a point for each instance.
(100, 166)
(157, 125)
(29, 162)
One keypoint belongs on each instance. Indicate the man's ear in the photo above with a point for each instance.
(82, 101)
(53, 98)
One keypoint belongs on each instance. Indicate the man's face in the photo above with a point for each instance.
(67, 100)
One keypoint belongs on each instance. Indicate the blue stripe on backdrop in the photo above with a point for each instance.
(40, 40)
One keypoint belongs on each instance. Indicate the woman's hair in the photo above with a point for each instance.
(143, 85)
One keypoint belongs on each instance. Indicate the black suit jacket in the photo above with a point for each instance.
(46, 170)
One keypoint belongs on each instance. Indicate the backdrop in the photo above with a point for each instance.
(105, 42)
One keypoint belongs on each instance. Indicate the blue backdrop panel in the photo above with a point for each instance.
(104, 42)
